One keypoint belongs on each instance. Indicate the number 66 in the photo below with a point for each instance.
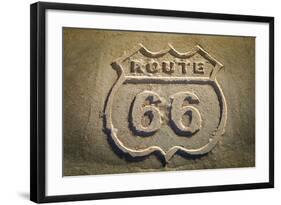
(146, 117)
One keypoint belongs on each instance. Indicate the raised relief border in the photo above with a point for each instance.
(150, 72)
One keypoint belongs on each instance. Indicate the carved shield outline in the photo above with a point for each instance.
(189, 80)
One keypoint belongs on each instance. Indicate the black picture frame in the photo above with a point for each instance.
(38, 101)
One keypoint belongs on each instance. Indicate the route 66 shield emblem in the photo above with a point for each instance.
(165, 102)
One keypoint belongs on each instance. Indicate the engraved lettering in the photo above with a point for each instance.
(179, 111)
(152, 67)
(146, 117)
(136, 67)
(184, 66)
(168, 67)
(198, 68)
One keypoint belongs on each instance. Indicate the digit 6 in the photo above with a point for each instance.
(145, 116)
(181, 106)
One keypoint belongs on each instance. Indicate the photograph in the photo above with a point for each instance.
(148, 101)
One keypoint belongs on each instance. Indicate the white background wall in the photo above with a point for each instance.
(14, 101)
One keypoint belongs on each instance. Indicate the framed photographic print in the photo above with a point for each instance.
(129, 102)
